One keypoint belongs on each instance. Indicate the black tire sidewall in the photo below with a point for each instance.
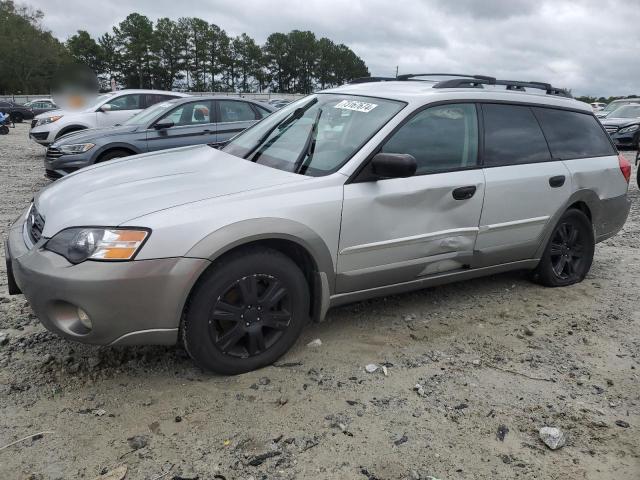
(196, 334)
(112, 155)
(545, 273)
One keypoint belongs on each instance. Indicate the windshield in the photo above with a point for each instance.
(149, 114)
(628, 111)
(615, 105)
(316, 135)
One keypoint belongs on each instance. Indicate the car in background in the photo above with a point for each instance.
(606, 111)
(41, 105)
(623, 125)
(105, 111)
(212, 120)
(597, 106)
(18, 112)
(278, 103)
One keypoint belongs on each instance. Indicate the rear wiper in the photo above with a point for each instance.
(286, 121)
(309, 147)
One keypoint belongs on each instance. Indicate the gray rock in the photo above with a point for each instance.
(138, 441)
(552, 437)
(315, 343)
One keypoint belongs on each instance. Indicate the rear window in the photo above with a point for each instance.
(573, 134)
(512, 136)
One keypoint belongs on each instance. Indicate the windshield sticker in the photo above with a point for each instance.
(356, 106)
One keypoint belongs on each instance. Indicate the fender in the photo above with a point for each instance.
(591, 200)
(70, 129)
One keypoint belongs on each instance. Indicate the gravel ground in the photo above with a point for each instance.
(496, 357)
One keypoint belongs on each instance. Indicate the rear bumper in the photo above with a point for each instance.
(139, 302)
(613, 215)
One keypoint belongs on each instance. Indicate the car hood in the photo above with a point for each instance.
(118, 191)
(90, 135)
(619, 122)
(51, 113)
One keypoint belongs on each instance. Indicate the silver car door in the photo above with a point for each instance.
(398, 230)
(525, 187)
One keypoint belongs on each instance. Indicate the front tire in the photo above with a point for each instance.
(112, 155)
(568, 255)
(246, 312)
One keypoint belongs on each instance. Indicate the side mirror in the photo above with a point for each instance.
(394, 165)
(106, 107)
(163, 124)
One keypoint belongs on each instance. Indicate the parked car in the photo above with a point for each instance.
(597, 106)
(107, 110)
(615, 105)
(18, 112)
(41, 105)
(175, 123)
(359, 191)
(278, 103)
(623, 124)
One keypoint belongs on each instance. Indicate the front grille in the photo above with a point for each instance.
(35, 225)
(39, 135)
(53, 153)
(33, 123)
(611, 128)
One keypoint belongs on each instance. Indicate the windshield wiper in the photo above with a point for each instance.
(301, 165)
(258, 148)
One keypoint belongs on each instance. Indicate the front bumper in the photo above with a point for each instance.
(138, 302)
(65, 164)
(41, 136)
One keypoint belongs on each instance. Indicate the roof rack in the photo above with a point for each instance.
(471, 81)
(516, 85)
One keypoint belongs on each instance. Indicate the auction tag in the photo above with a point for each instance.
(356, 106)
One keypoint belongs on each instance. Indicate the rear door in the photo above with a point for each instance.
(234, 116)
(403, 229)
(193, 124)
(525, 186)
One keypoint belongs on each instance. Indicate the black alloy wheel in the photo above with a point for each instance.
(246, 311)
(250, 316)
(569, 253)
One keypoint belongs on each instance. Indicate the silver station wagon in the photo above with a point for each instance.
(374, 188)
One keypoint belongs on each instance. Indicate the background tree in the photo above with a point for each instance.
(134, 38)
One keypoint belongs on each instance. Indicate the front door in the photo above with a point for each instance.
(193, 124)
(525, 186)
(120, 109)
(398, 230)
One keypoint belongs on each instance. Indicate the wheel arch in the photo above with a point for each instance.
(587, 201)
(295, 240)
(114, 146)
(70, 129)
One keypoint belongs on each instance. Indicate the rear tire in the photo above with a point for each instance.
(4, 130)
(568, 255)
(246, 311)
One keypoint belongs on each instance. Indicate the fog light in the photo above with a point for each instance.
(84, 319)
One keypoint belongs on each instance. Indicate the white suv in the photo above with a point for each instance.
(107, 110)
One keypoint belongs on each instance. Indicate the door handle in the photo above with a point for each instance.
(464, 193)
(557, 181)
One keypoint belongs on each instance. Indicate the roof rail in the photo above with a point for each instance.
(372, 79)
(510, 84)
(411, 76)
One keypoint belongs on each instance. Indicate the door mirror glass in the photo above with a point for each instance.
(394, 165)
(163, 124)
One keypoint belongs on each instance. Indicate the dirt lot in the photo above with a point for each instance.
(492, 354)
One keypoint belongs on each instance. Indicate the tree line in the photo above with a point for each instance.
(189, 54)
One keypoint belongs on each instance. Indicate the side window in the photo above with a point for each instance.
(190, 114)
(262, 112)
(512, 135)
(440, 138)
(153, 98)
(235, 111)
(573, 135)
(127, 102)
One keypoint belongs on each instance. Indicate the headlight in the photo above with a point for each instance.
(108, 244)
(76, 148)
(46, 120)
(629, 129)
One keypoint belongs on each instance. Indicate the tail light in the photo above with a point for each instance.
(625, 167)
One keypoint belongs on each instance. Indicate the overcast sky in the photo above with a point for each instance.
(590, 46)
